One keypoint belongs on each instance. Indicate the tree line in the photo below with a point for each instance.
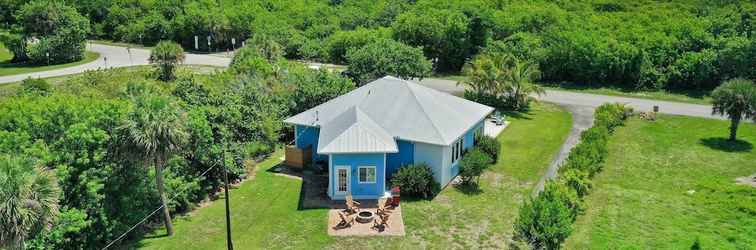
(676, 44)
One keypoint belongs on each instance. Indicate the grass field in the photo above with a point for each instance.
(669, 182)
(265, 215)
(7, 68)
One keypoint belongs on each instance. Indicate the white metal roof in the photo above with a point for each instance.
(353, 131)
(399, 108)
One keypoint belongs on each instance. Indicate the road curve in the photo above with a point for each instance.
(113, 57)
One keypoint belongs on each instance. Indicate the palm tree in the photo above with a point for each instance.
(167, 55)
(735, 98)
(503, 76)
(28, 200)
(519, 84)
(155, 128)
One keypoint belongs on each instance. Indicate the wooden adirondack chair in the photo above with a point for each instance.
(346, 220)
(352, 205)
(384, 222)
(383, 206)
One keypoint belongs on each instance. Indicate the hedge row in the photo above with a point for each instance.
(545, 221)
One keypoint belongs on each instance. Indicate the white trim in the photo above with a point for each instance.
(348, 179)
(384, 167)
(375, 174)
(330, 176)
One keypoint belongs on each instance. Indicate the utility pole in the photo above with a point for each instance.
(229, 243)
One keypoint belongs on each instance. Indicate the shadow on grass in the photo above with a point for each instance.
(469, 188)
(723, 144)
(526, 114)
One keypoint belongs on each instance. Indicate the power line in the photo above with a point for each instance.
(149, 215)
(201, 175)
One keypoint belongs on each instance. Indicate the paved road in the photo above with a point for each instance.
(581, 106)
(114, 56)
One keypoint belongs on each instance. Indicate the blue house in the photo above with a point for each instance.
(366, 135)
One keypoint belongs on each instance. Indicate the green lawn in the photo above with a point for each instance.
(7, 68)
(641, 199)
(265, 215)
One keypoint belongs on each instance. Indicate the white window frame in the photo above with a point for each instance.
(457, 148)
(367, 181)
(348, 179)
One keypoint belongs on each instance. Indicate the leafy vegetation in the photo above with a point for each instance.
(501, 80)
(30, 196)
(489, 145)
(386, 57)
(416, 181)
(472, 165)
(101, 133)
(545, 221)
(47, 32)
(166, 55)
(737, 99)
(656, 169)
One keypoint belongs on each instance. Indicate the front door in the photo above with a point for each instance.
(342, 180)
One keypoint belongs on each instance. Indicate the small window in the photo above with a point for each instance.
(457, 150)
(367, 174)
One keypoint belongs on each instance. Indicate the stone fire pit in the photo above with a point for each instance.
(365, 216)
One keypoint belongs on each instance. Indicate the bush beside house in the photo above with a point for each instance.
(416, 181)
(472, 165)
(545, 221)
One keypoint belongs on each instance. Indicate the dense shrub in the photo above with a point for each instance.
(416, 181)
(611, 115)
(342, 41)
(167, 56)
(387, 57)
(577, 180)
(35, 86)
(59, 31)
(472, 165)
(489, 145)
(546, 220)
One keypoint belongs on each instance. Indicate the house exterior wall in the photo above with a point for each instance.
(433, 155)
(308, 136)
(467, 143)
(353, 162)
(405, 156)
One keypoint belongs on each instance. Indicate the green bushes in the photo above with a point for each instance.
(167, 56)
(387, 57)
(58, 30)
(35, 86)
(472, 165)
(416, 181)
(490, 146)
(545, 221)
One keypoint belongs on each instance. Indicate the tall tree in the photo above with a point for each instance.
(166, 56)
(735, 98)
(503, 76)
(29, 200)
(520, 83)
(387, 57)
(155, 127)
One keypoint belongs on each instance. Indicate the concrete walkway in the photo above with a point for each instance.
(113, 57)
(581, 107)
